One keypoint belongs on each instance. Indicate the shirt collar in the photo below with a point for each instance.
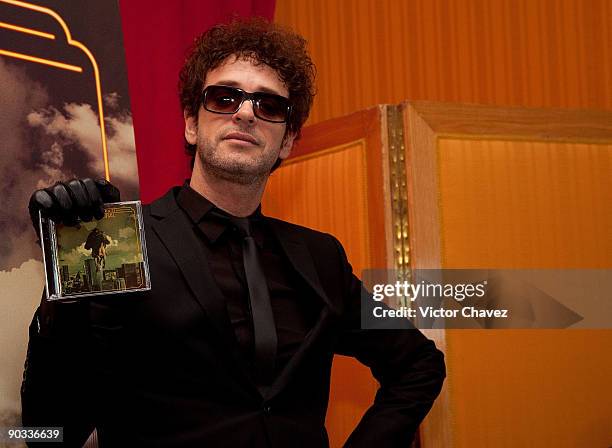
(198, 208)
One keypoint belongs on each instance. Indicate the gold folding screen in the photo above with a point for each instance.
(455, 186)
(514, 188)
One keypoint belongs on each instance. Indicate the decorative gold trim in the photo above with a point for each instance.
(523, 138)
(324, 152)
(398, 192)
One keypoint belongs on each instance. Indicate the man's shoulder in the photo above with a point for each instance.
(162, 206)
(286, 228)
(292, 227)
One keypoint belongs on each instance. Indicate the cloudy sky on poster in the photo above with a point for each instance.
(49, 126)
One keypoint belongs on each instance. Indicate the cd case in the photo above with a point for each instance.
(94, 258)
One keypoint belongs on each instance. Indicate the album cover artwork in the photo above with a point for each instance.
(97, 257)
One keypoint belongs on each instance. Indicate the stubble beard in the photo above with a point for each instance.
(235, 171)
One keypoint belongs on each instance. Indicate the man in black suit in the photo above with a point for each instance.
(233, 345)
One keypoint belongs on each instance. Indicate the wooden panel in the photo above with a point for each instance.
(362, 128)
(527, 388)
(535, 53)
(517, 204)
(538, 201)
(528, 205)
(490, 122)
(333, 182)
(326, 191)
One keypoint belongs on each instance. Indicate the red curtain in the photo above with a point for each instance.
(156, 36)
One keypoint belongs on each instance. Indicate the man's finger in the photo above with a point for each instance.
(62, 199)
(40, 201)
(108, 191)
(79, 194)
(64, 204)
(94, 197)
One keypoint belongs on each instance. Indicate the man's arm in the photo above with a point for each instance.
(408, 366)
(57, 383)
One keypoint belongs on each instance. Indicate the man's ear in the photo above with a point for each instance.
(287, 145)
(191, 128)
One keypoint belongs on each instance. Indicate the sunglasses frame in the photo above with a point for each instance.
(253, 97)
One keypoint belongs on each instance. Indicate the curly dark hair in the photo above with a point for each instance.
(261, 41)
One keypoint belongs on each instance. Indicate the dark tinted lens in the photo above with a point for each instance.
(271, 107)
(222, 99)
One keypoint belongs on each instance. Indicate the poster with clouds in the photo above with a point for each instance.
(64, 113)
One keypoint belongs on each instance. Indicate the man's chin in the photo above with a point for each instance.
(241, 173)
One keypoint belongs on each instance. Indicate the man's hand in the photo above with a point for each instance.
(70, 201)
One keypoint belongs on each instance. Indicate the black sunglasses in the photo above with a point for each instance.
(228, 100)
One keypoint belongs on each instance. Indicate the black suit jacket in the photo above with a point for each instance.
(162, 368)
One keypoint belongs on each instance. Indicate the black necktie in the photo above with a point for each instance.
(263, 320)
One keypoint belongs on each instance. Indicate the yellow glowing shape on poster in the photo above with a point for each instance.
(26, 30)
(58, 64)
(26, 57)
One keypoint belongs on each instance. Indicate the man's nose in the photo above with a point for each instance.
(245, 114)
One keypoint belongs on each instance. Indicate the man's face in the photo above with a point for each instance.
(239, 147)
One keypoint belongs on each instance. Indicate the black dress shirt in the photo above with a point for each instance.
(294, 307)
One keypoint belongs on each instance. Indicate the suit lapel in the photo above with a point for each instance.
(284, 376)
(301, 259)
